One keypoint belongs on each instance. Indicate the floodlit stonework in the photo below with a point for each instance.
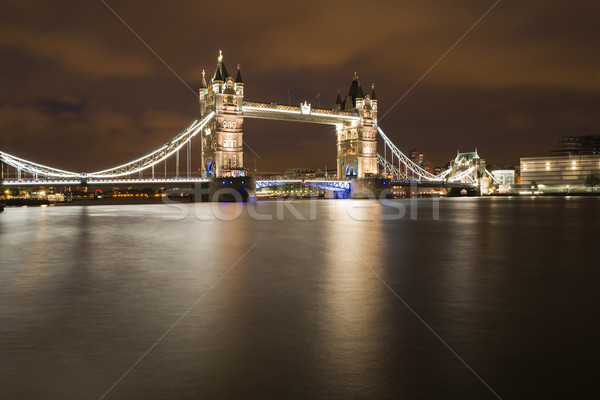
(222, 139)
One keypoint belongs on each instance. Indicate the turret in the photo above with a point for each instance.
(373, 104)
(203, 85)
(239, 82)
(202, 93)
(355, 93)
(338, 101)
(221, 72)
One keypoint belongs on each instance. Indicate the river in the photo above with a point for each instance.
(459, 298)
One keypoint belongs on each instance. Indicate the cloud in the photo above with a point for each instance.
(79, 89)
(77, 53)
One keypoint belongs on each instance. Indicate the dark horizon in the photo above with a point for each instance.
(82, 92)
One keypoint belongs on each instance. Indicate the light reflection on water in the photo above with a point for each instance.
(508, 283)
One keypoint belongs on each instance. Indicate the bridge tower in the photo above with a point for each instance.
(357, 140)
(222, 138)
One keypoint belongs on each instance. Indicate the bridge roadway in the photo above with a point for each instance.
(115, 182)
(330, 184)
(433, 184)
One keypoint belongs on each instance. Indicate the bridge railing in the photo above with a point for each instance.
(257, 107)
(335, 185)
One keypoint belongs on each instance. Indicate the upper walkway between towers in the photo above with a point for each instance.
(302, 113)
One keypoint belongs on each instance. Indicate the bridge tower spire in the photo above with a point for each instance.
(222, 139)
(357, 140)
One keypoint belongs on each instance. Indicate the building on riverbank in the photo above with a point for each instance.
(578, 145)
(568, 172)
(505, 179)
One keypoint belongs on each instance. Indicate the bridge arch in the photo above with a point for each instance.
(351, 171)
(210, 169)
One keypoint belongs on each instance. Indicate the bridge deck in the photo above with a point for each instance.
(302, 113)
(77, 182)
(331, 184)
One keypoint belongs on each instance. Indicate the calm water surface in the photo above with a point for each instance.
(289, 308)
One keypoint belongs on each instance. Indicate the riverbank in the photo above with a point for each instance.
(93, 202)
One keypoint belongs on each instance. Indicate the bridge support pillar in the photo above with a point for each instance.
(337, 194)
(369, 188)
(232, 189)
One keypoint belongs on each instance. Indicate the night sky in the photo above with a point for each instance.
(80, 91)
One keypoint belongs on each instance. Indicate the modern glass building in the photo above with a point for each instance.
(560, 172)
(579, 145)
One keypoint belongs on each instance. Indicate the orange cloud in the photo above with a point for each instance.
(78, 53)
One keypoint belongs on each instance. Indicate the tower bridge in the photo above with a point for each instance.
(219, 131)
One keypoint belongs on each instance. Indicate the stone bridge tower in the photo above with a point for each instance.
(222, 138)
(357, 141)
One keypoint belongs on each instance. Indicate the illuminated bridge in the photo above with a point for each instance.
(218, 130)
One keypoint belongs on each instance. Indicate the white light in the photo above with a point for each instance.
(147, 161)
(305, 108)
(332, 116)
(271, 109)
(36, 169)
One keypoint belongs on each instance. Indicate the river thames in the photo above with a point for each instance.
(466, 298)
